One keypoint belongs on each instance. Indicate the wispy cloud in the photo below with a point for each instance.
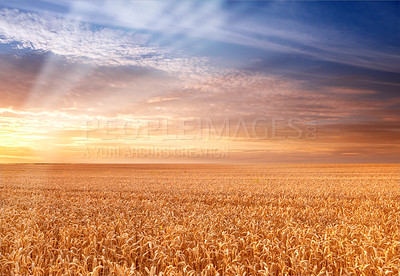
(145, 61)
(78, 36)
(82, 42)
(212, 21)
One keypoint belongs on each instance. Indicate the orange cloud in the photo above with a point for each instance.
(51, 124)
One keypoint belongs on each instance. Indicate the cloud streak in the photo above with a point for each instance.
(150, 61)
(85, 43)
(271, 33)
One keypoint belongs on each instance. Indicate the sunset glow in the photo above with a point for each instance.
(208, 81)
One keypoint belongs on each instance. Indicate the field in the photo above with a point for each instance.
(200, 219)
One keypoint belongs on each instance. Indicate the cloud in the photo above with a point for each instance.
(161, 99)
(82, 42)
(76, 70)
(343, 132)
(275, 31)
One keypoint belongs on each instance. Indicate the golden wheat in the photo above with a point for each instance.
(199, 220)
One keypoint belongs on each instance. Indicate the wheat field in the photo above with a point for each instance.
(200, 219)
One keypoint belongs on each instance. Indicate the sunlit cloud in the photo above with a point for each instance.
(81, 42)
(81, 76)
(279, 34)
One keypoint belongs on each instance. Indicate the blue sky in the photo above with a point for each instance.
(359, 34)
(335, 60)
(305, 39)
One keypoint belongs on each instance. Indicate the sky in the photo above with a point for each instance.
(199, 81)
